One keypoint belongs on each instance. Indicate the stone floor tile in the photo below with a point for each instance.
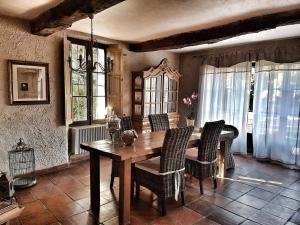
(286, 202)
(278, 210)
(252, 201)
(262, 194)
(241, 209)
(291, 194)
(179, 216)
(225, 217)
(296, 218)
(267, 219)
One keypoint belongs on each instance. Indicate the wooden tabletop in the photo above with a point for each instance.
(146, 145)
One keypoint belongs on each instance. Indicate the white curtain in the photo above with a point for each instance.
(224, 94)
(276, 112)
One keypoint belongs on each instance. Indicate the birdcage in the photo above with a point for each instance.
(22, 165)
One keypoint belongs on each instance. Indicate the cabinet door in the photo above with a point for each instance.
(169, 95)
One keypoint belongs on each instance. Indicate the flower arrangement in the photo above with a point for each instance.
(189, 103)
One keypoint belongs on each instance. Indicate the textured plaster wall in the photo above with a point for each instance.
(41, 126)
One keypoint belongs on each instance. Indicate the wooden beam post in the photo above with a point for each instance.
(219, 33)
(63, 15)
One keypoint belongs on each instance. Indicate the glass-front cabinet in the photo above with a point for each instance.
(155, 91)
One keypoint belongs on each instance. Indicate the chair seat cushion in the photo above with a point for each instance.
(192, 154)
(151, 165)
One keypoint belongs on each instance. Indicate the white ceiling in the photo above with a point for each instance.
(142, 20)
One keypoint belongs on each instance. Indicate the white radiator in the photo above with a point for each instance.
(84, 134)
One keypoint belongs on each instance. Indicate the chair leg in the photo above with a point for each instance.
(112, 178)
(215, 182)
(163, 207)
(182, 198)
(132, 190)
(201, 186)
(137, 190)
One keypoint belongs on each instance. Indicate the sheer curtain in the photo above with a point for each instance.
(276, 112)
(224, 94)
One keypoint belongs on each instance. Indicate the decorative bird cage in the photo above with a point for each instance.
(22, 165)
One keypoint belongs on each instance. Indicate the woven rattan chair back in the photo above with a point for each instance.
(235, 131)
(159, 122)
(209, 140)
(126, 123)
(173, 149)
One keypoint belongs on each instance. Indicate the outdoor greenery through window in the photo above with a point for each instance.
(88, 88)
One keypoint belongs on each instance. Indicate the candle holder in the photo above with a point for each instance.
(113, 126)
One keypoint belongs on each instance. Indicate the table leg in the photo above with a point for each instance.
(124, 195)
(222, 161)
(95, 183)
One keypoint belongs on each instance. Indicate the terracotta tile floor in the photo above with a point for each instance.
(254, 193)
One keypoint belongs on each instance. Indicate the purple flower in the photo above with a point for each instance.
(187, 101)
(194, 96)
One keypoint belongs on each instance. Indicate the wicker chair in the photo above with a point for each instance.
(126, 124)
(159, 174)
(229, 156)
(202, 162)
(159, 122)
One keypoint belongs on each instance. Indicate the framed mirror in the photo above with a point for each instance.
(29, 82)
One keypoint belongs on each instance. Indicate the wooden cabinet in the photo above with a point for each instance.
(155, 91)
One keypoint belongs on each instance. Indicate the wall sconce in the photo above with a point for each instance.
(110, 64)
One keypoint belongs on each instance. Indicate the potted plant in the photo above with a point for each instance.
(189, 103)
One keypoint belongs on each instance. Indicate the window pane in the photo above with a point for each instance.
(99, 56)
(165, 107)
(146, 110)
(153, 83)
(98, 85)
(147, 84)
(99, 111)
(166, 96)
(79, 84)
(77, 52)
(79, 90)
(79, 108)
(147, 97)
(166, 82)
(153, 97)
(158, 83)
(152, 109)
(158, 98)
(157, 110)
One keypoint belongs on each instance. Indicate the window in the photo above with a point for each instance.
(88, 88)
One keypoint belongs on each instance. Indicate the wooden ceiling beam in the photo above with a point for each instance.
(63, 15)
(219, 33)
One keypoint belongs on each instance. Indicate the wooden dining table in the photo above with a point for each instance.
(146, 146)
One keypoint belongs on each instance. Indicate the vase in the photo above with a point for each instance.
(190, 122)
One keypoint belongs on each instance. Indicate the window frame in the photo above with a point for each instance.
(89, 84)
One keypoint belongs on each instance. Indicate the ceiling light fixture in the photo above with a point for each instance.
(87, 65)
